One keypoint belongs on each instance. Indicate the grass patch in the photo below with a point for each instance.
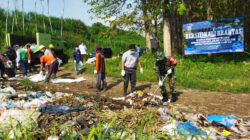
(221, 72)
(28, 85)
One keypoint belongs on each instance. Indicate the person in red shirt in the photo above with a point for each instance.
(100, 70)
(52, 66)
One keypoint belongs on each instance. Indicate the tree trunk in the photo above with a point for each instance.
(156, 33)
(209, 10)
(166, 30)
(146, 26)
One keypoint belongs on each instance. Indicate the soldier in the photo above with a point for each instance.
(162, 67)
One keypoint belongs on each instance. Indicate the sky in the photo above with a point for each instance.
(75, 9)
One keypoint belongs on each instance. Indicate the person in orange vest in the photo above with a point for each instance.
(100, 70)
(52, 66)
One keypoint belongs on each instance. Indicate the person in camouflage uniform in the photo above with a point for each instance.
(162, 67)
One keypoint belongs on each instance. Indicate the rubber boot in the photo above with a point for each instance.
(174, 98)
(98, 88)
(164, 96)
(104, 86)
(47, 78)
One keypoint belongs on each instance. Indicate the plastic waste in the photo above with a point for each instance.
(119, 99)
(53, 138)
(8, 90)
(35, 95)
(188, 129)
(37, 78)
(61, 109)
(22, 116)
(59, 80)
(91, 60)
(226, 133)
(170, 128)
(227, 121)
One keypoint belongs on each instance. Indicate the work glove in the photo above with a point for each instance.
(169, 71)
(160, 83)
(74, 61)
(29, 61)
(17, 64)
(95, 72)
(123, 73)
(141, 70)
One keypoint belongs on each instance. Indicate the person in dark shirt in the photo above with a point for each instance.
(100, 70)
(77, 58)
(10, 54)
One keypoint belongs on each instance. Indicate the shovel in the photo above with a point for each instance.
(160, 86)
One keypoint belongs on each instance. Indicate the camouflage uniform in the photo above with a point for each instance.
(162, 65)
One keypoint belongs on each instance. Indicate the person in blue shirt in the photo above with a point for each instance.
(77, 58)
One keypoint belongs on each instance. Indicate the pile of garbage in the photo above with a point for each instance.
(212, 126)
(139, 100)
(64, 113)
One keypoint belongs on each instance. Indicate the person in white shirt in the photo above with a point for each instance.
(83, 50)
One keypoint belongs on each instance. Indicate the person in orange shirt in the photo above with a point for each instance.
(100, 70)
(52, 66)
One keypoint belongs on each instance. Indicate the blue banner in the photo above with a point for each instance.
(214, 36)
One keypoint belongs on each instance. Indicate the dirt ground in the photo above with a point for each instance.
(196, 101)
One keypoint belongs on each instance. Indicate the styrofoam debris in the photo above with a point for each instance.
(8, 90)
(130, 101)
(119, 99)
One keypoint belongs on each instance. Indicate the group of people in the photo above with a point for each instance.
(23, 57)
(164, 66)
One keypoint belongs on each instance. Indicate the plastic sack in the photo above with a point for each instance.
(59, 80)
(91, 60)
(188, 129)
(61, 109)
(227, 121)
(37, 78)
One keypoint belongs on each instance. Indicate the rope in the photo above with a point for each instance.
(49, 18)
(6, 23)
(23, 15)
(43, 16)
(62, 19)
(35, 15)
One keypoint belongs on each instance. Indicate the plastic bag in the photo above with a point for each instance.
(188, 129)
(227, 121)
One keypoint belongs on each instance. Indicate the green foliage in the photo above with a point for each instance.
(74, 31)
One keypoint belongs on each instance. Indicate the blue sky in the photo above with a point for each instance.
(75, 9)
